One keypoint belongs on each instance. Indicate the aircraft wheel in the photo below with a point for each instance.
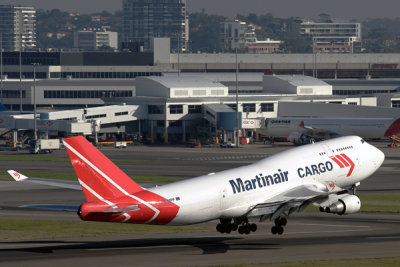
(220, 228)
(253, 227)
(227, 228)
(247, 230)
(234, 227)
(280, 230)
(274, 230)
(241, 230)
(282, 221)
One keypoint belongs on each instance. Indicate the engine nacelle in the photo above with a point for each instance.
(346, 205)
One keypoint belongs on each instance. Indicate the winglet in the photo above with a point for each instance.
(17, 176)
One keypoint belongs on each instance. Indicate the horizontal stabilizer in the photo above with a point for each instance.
(17, 176)
(52, 207)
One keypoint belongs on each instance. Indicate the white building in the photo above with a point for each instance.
(236, 34)
(177, 108)
(17, 27)
(295, 84)
(95, 39)
(264, 47)
(333, 37)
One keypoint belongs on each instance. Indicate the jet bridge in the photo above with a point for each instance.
(222, 116)
(104, 119)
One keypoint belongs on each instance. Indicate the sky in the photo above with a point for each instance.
(340, 9)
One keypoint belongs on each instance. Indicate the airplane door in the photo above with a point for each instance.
(329, 151)
(223, 199)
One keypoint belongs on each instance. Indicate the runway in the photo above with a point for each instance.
(308, 236)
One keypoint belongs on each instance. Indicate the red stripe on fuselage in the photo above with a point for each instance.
(343, 160)
(338, 162)
(352, 165)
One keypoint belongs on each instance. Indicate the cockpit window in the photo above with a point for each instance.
(362, 141)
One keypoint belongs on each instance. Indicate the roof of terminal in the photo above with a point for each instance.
(184, 81)
(301, 80)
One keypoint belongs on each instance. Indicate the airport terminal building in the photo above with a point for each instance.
(179, 107)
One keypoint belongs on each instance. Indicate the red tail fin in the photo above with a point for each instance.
(98, 176)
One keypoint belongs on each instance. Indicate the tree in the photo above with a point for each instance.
(205, 32)
(296, 45)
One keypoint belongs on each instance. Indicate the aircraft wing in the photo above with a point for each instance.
(51, 182)
(297, 198)
(328, 131)
(331, 130)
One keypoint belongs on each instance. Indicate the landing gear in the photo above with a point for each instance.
(278, 227)
(241, 225)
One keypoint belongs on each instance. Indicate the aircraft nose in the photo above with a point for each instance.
(379, 158)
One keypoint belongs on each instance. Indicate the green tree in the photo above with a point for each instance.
(205, 32)
(296, 45)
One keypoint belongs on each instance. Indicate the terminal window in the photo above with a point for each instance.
(249, 107)
(175, 109)
(85, 93)
(121, 113)
(194, 109)
(11, 94)
(395, 103)
(267, 107)
(154, 109)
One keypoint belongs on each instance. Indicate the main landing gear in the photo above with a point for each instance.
(278, 227)
(242, 226)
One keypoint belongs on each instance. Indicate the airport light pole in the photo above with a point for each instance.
(237, 103)
(1, 64)
(20, 60)
(34, 101)
(179, 48)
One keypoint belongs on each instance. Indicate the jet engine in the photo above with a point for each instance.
(346, 205)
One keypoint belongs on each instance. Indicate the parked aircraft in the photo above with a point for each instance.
(300, 130)
(324, 174)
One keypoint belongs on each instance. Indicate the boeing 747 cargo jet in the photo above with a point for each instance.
(301, 130)
(324, 174)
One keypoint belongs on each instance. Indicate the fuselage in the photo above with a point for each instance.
(364, 127)
(233, 193)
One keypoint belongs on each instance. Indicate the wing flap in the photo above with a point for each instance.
(292, 198)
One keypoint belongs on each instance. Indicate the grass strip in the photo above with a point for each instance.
(389, 261)
(12, 229)
(32, 158)
(72, 177)
(57, 159)
(380, 202)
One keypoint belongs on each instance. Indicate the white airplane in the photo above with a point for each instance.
(301, 130)
(324, 174)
